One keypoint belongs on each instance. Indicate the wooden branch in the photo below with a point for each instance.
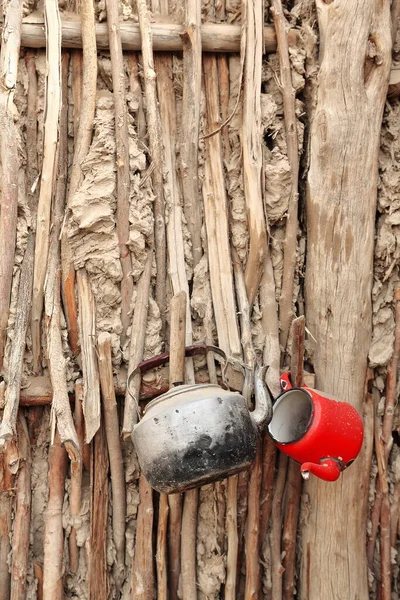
(276, 529)
(161, 554)
(122, 148)
(87, 326)
(177, 375)
(98, 586)
(156, 153)
(167, 37)
(294, 479)
(232, 537)
(189, 145)
(49, 166)
(8, 467)
(31, 133)
(11, 41)
(242, 503)
(188, 544)
(136, 348)
(216, 218)
(84, 73)
(115, 454)
(176, 254)
(267, 486)
(75, 497)
(22, 514)
(53, 565)
(15, 364)
(253, 578)
(143, 567)
(252, 144)
(289, 110)
(56, 361)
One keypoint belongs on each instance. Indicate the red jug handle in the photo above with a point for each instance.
(286, 384)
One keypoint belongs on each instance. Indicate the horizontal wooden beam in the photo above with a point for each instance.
(216, 37)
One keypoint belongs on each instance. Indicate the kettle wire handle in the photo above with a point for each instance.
(190, 351)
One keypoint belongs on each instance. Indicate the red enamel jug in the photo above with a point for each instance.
(322, 434)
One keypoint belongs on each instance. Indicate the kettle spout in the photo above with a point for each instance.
(262, 414)
(329, 470)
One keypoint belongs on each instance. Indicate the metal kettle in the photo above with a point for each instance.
(196, 434)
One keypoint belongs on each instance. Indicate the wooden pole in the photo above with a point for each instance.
(294, 479)
(167, 37)
(110, 413)
(11, 41)
(22, 514)
(53, 565)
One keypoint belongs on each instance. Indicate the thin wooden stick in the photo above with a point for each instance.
(289, 110)
(38, 570)
(156, 152)
(252, 145)
(9, 158)
(167, 36)
(122, 148)
(294, 479)
(11, 397)
(188, 544)
(75, 497)
(115, 454)
(162, 542)
(253, 579)
(216, 217)
(232, 537)
(53, 543)
(138, 334)
(97, 567)
(87, 326)
(8, 462)
(276, 530)
(177, 375)
(31, 132)
(143, 565)
(84, 128)
(49, 166)
(242, 504)
(61, 410)
(191, 39)
(22, 514)
(267, 486)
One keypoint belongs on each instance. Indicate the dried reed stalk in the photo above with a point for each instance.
(15, 363)
(122, 147)
(84, 76)
(8, 467)
(191, 39)
(22, 514)
(61, 410)
(87, 327)
(53, 565)
(252, 145)
(49, 168)
(110, 411)
(97, 563)
(10, 47)
(143, 567)
(167, 36)
(156, 153)
(294, 479)
(138, 334)
(289, 111)
(75, 497)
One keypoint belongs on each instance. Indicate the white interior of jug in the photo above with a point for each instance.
(292, 416)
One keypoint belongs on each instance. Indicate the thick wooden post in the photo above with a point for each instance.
(341, 204)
